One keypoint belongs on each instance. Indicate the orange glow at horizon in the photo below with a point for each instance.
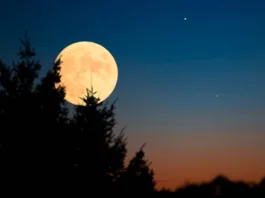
(181, 160)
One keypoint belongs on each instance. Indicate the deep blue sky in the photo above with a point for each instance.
(170, 71)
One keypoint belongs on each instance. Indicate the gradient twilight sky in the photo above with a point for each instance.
(170, 71)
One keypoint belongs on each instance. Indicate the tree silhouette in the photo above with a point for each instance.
(40, 146)
(51, 99)
(31, 115)
(18, 110)
(139, 177)
(98, 157)
(52, 137)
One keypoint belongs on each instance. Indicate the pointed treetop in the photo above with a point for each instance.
(141, 148)
(26, 52)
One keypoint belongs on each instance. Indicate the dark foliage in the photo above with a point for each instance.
(138, 177)
(98, 155)
(42, 148)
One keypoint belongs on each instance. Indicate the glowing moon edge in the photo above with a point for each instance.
(86, 65)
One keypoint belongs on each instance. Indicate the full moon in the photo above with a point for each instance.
(87, 65)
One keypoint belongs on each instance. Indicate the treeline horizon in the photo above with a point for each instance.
(219, 185)
(43, 149)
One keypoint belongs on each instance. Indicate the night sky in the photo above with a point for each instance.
(171, 71)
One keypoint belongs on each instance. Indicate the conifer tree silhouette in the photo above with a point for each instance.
(30, 113)
(99, 155)
(52, 138)
(139, 177)
(18, 109)
(41, 147)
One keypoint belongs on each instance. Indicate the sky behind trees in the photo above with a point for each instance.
(175, 67)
